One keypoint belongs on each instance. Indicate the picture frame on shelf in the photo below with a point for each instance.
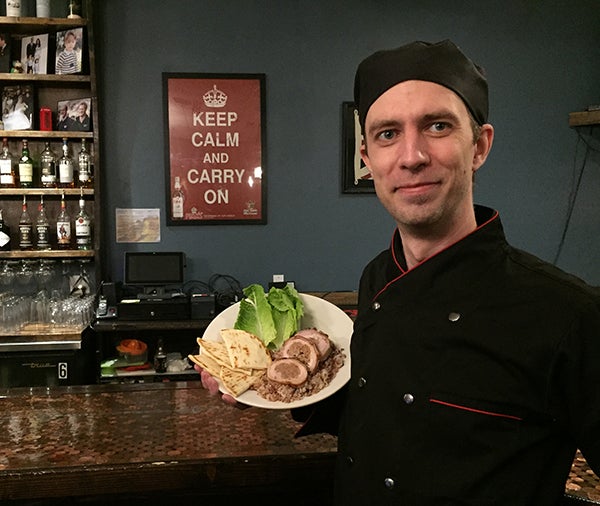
(34, 54)
(356, 178)
(5, 60)
(215, 154)
(18, 107)
(74, 115)
(69, 50)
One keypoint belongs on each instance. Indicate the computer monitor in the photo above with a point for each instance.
(154, 272)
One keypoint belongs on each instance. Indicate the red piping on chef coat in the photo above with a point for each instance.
(480, 411)
(399, 265)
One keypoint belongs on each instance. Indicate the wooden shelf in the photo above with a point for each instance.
(31, 26)
(45, 134)
(584, 118)
(35, 254)
(19, 192)
(51, 78)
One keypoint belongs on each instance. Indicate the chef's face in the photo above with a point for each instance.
(420, 150)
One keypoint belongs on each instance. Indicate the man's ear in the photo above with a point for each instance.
(483, 145)
(364, 155)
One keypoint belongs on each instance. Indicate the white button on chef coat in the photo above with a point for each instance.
(408, 398)
(375, 306)
(389, 483)
(454, 316)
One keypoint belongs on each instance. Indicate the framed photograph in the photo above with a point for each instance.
(215, 149)
(356, 178)
(34, 54)
(18, 108)
(5, 61)
(69, 45)
(74, 115)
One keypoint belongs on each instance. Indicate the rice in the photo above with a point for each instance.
(326, 371)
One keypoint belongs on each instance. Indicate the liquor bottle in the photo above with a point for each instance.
(160, 357)
(85, 167)
(25, 228)
(4, 234)
(25, 167)
(8, 178)
(48, 167)
(63, 226)
(177, 200)
(42, 228)
(83, 227)
(66, 176)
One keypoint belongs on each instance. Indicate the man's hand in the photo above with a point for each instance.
(210, 383)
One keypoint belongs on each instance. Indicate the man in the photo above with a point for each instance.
(474, 370)
(82, 120)
(4, 54)
(64, 122)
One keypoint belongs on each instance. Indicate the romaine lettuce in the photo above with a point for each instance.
(273, 317)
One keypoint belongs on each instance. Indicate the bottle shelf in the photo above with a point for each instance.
(58, 253)
(45, 134)
(45, 191)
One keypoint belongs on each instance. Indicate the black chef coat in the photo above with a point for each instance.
(475, 376)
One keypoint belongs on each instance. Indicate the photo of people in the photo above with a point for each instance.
(17, 107)
(4, 53)
(68, 51)
(74, 115)
(34, 54)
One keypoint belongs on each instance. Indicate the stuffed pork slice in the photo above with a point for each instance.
(288, 371)
(320, 339)
(302, 349)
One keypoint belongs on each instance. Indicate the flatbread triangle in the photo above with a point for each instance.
(246, 351)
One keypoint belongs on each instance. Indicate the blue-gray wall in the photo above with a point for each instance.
(542, 59)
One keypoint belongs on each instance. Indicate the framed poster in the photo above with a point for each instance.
(356, 178)
(215, 148)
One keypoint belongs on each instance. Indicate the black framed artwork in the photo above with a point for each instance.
(215, 148)
(356, 178)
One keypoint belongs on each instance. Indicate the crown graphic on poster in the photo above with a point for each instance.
(214, 98)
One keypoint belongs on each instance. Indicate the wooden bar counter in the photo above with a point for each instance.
(158, 442)
(165, 443)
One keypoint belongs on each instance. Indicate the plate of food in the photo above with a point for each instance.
(307, 367)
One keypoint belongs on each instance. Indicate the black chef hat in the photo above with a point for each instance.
(442, 63)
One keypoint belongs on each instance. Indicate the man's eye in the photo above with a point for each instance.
(439, 126)
(386, 135)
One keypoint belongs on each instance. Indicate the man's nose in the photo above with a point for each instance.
(413, 151)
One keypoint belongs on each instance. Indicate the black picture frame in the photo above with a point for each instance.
(78, 115)
(5, 57)
(18, 107)
(355, 176)
(215, 149)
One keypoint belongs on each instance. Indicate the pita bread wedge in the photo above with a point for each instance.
(237, 383)
(245, 350)
(207, 363)
(216, 350)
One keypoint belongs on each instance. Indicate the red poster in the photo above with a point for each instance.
(215, 148)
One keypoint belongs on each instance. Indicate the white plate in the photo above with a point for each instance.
(318, 313)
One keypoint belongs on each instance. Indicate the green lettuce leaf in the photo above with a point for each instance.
(273, 317)
(255, 315)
